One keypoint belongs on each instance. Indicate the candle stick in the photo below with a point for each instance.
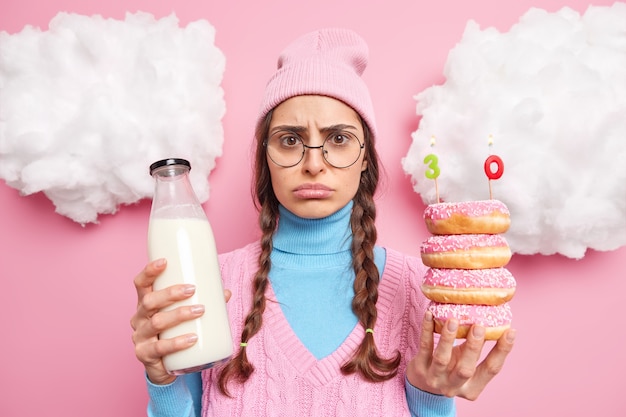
(433, 170)
(493, 159)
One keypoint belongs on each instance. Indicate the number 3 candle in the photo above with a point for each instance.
(433, 167)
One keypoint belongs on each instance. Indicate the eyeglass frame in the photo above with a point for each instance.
(305, 147)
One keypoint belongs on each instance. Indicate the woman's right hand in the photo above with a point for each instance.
(149, 321)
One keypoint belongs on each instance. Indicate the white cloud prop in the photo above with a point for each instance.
(89, 104)
(552, 92)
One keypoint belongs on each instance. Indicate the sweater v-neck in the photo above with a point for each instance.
(322, 371)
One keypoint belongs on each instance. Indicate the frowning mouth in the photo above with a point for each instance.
(312, 191)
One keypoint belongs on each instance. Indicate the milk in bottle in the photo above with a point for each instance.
(179, 231)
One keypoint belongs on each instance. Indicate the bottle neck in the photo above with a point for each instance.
(174, 196)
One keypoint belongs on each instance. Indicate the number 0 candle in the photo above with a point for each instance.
(489, 167)
(489, 162)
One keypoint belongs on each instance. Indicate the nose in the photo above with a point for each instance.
(314, 161)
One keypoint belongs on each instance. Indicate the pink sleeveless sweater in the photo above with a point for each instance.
(288, 380)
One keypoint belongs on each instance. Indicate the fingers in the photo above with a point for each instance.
(453, 369)
(427, 341)
(465, 367)
(442, 354)
(155, 314)
(152, 302)
(157, 300)
(429, 369)
(151, 355)
(444, 360)
(491, 365)
(152, 326)
(150, 350)
(418, 371)
(145, 279)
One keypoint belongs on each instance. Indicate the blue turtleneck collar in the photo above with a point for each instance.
(328, 235)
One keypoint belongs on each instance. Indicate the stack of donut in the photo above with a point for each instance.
(466, 256)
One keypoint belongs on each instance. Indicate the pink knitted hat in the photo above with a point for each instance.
(326, 62)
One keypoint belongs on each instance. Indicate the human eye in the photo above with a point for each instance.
(340, 139)
(289, 140)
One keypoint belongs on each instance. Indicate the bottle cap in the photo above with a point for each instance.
(168, 162)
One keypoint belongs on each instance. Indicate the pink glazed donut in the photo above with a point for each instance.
(467, 217)
(474, 251)
(495, 319)
(492, 286)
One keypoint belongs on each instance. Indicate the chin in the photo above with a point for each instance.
(314, 209)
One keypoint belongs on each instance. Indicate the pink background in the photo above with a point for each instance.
(67, 293)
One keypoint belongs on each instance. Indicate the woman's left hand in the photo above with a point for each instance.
(455, 370)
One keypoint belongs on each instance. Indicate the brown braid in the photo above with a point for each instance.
(239, 367)
(366, 359)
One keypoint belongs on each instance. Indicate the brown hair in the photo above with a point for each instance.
(366, 359)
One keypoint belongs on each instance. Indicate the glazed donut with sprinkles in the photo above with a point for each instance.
(466, 255)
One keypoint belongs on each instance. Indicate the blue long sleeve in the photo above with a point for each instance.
(425, 404)
(181, 398)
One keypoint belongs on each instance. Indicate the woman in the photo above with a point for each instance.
(328, 322)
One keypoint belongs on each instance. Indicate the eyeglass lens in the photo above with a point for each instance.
(340, 151)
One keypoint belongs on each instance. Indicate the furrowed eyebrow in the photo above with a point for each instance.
(300, 129)
(338, 127)
(287, 128)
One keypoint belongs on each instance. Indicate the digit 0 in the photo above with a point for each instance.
(494, 159)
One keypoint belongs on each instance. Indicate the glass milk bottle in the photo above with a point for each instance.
(179, 231)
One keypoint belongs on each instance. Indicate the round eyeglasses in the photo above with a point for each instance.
(339, 150)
